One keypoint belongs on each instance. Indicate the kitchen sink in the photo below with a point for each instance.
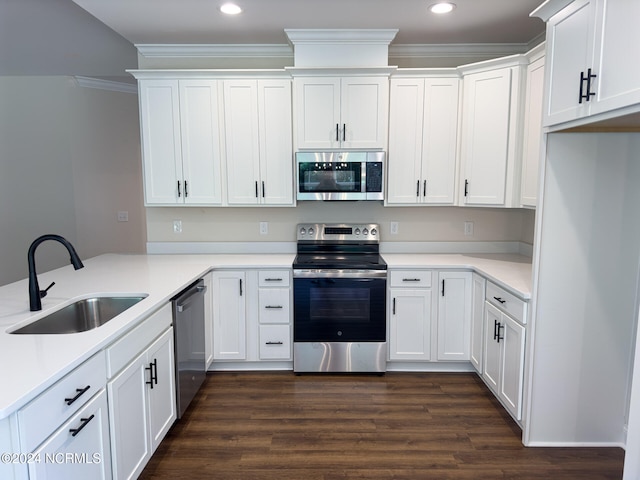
(80, 316)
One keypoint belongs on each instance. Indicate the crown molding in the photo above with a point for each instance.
(97, 83)
(214, 50)
(465, 50)
(298, 36)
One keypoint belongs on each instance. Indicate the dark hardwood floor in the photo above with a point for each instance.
(257, 426)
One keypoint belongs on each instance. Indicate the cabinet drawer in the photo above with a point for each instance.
(273, 278)
(410, 278)
(124, 350)
(44, 414)
(507, 302)
(275, 342)
(274, 305)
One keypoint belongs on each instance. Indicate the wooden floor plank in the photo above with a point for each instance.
(277, 425)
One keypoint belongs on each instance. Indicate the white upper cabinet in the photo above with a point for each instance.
(592, 47)
(490, 170)
(532, 137)
(180, 141)
(259, 151)
(423, 126)
(341, 112)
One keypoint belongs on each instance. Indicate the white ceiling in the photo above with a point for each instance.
(264, 21)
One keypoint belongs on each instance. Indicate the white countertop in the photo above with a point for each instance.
(31, 363)
(510, 271)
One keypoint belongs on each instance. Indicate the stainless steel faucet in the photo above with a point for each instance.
(35, 294)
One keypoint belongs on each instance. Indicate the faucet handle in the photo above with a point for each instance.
(43, 293)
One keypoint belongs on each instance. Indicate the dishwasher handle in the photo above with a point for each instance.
(186, 300)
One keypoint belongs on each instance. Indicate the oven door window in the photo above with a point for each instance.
(330, 177)
(339, 310)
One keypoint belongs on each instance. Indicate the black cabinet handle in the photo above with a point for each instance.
(337, 132)
(153, 373)
(80, 392)
(272, 279)
(85, 421)
(273, 307)
(344, 132)
(256, 189)
(443, 287)
(586, 96)
(424, 188)
(495, 329)
(466, 187)
(263, 189)
(417, 188)
(240, 287)
(274, 343)
(499, 299)
(179, 194)
(410, 279)
(499, 336)
(393, 311)
(186, 190)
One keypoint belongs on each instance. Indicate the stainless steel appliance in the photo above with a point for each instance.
(340, 175)
(339, 282)
(188, 330)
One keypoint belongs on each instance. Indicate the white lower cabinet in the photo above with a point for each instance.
(252, 316)
(410, 315)
(477, 321)
(66, 428)
(79, 448)
(454, 315)
(142, 402)
(504, 358)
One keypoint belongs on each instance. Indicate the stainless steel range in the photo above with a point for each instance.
(339, 281)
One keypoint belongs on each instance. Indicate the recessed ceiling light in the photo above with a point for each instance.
(230, 9)
(442, 7)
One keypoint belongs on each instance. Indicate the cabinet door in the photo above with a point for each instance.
(229, 316)
(440, 140)
(570, 49)
(477, 321)
(317, 104)
(242, 144)
(364, 111)
(512, 365)
(128, 421)
(491, 374)
(200, 135)
(162, 391)
(161, 146)
(406, 114)
(454, 315)
(532, 141)
(85, 436)
(485, 136)
(618, 37)
(410, 324)
(208, 320)
(276, 149)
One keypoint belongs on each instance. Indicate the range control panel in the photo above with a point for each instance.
(369, 232)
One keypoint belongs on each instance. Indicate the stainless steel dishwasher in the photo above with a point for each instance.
(188, 331)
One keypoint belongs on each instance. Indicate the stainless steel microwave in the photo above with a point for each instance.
(340, 175)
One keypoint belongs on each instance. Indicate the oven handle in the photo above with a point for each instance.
(317, 273)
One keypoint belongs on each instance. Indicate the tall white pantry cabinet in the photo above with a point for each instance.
(583, 384)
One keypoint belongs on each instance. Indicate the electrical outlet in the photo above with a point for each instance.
(468, 228)
(123, 216)
(394, 228)
(264, 228)
(177, 226)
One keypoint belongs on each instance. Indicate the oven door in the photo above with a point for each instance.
(339, 306)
